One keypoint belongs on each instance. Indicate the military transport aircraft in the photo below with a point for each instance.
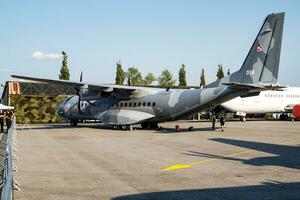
(122, 106)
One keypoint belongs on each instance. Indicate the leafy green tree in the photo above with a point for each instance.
(166, 79)
(220, 72)
(149, 79)
(64, 71)
(182, 76)
(120, 74)
(202, 79)
(134, 77)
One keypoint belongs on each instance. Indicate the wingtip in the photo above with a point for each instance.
(16, 76)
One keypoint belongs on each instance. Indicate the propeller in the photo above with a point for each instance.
(79, 95)
(81, 76)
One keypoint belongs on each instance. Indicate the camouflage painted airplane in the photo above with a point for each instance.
(122, 106)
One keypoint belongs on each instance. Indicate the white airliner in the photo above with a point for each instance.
(287, 100)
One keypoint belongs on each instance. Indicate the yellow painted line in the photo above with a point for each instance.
(174, 167)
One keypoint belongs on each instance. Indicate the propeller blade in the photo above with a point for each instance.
(81, 76)
(78, 105)
(78, 93)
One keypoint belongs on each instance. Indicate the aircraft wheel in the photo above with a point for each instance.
(116, 127)
(145, 125)
(74, 122)
(125, 127)
(243, 119)
(153, 125)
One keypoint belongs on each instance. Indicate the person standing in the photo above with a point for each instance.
(213, 121)
(222, 121)
(1, 121)
(8, 119)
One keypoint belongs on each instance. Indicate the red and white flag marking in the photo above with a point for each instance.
(259, 48)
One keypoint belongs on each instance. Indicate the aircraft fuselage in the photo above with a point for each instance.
(161, 105)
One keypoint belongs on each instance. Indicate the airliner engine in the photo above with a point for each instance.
(296, 111)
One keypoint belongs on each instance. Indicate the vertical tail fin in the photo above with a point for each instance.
(262, 62)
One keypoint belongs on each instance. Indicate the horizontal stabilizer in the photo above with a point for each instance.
(259, 87)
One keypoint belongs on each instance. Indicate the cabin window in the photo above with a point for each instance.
(144, 103)
(153, 104)
(125, 104)
(139, 104)
(149, 104)
(130, 104)
(134, 104)
(121, 104)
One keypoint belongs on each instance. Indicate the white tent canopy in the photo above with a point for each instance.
(4, 107)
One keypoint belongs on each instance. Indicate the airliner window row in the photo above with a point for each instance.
(281, 95)
(135, 104)
(274, 95)
(293, 96)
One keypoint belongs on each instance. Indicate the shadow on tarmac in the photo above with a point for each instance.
(267, 190)
(62, 126)
(40, 127)
(103, 126)
(183, 130)
(284, 155)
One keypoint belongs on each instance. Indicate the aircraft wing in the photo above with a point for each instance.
(90, 91)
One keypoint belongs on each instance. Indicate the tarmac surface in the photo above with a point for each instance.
(249, 160)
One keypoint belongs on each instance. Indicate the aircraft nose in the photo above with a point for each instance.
(61, 111)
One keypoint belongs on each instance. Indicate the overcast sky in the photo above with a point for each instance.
(150, 35)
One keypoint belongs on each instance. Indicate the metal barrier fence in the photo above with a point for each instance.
(7, 183)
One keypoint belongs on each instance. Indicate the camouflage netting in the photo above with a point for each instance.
(36, 109)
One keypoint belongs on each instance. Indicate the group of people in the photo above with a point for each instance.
(222, 121)
(7, 117)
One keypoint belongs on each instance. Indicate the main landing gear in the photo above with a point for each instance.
(122, 127)
(149, 125)
(74, 122)
(243, 118)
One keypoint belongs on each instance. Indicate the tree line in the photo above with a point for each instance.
(134, 77)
